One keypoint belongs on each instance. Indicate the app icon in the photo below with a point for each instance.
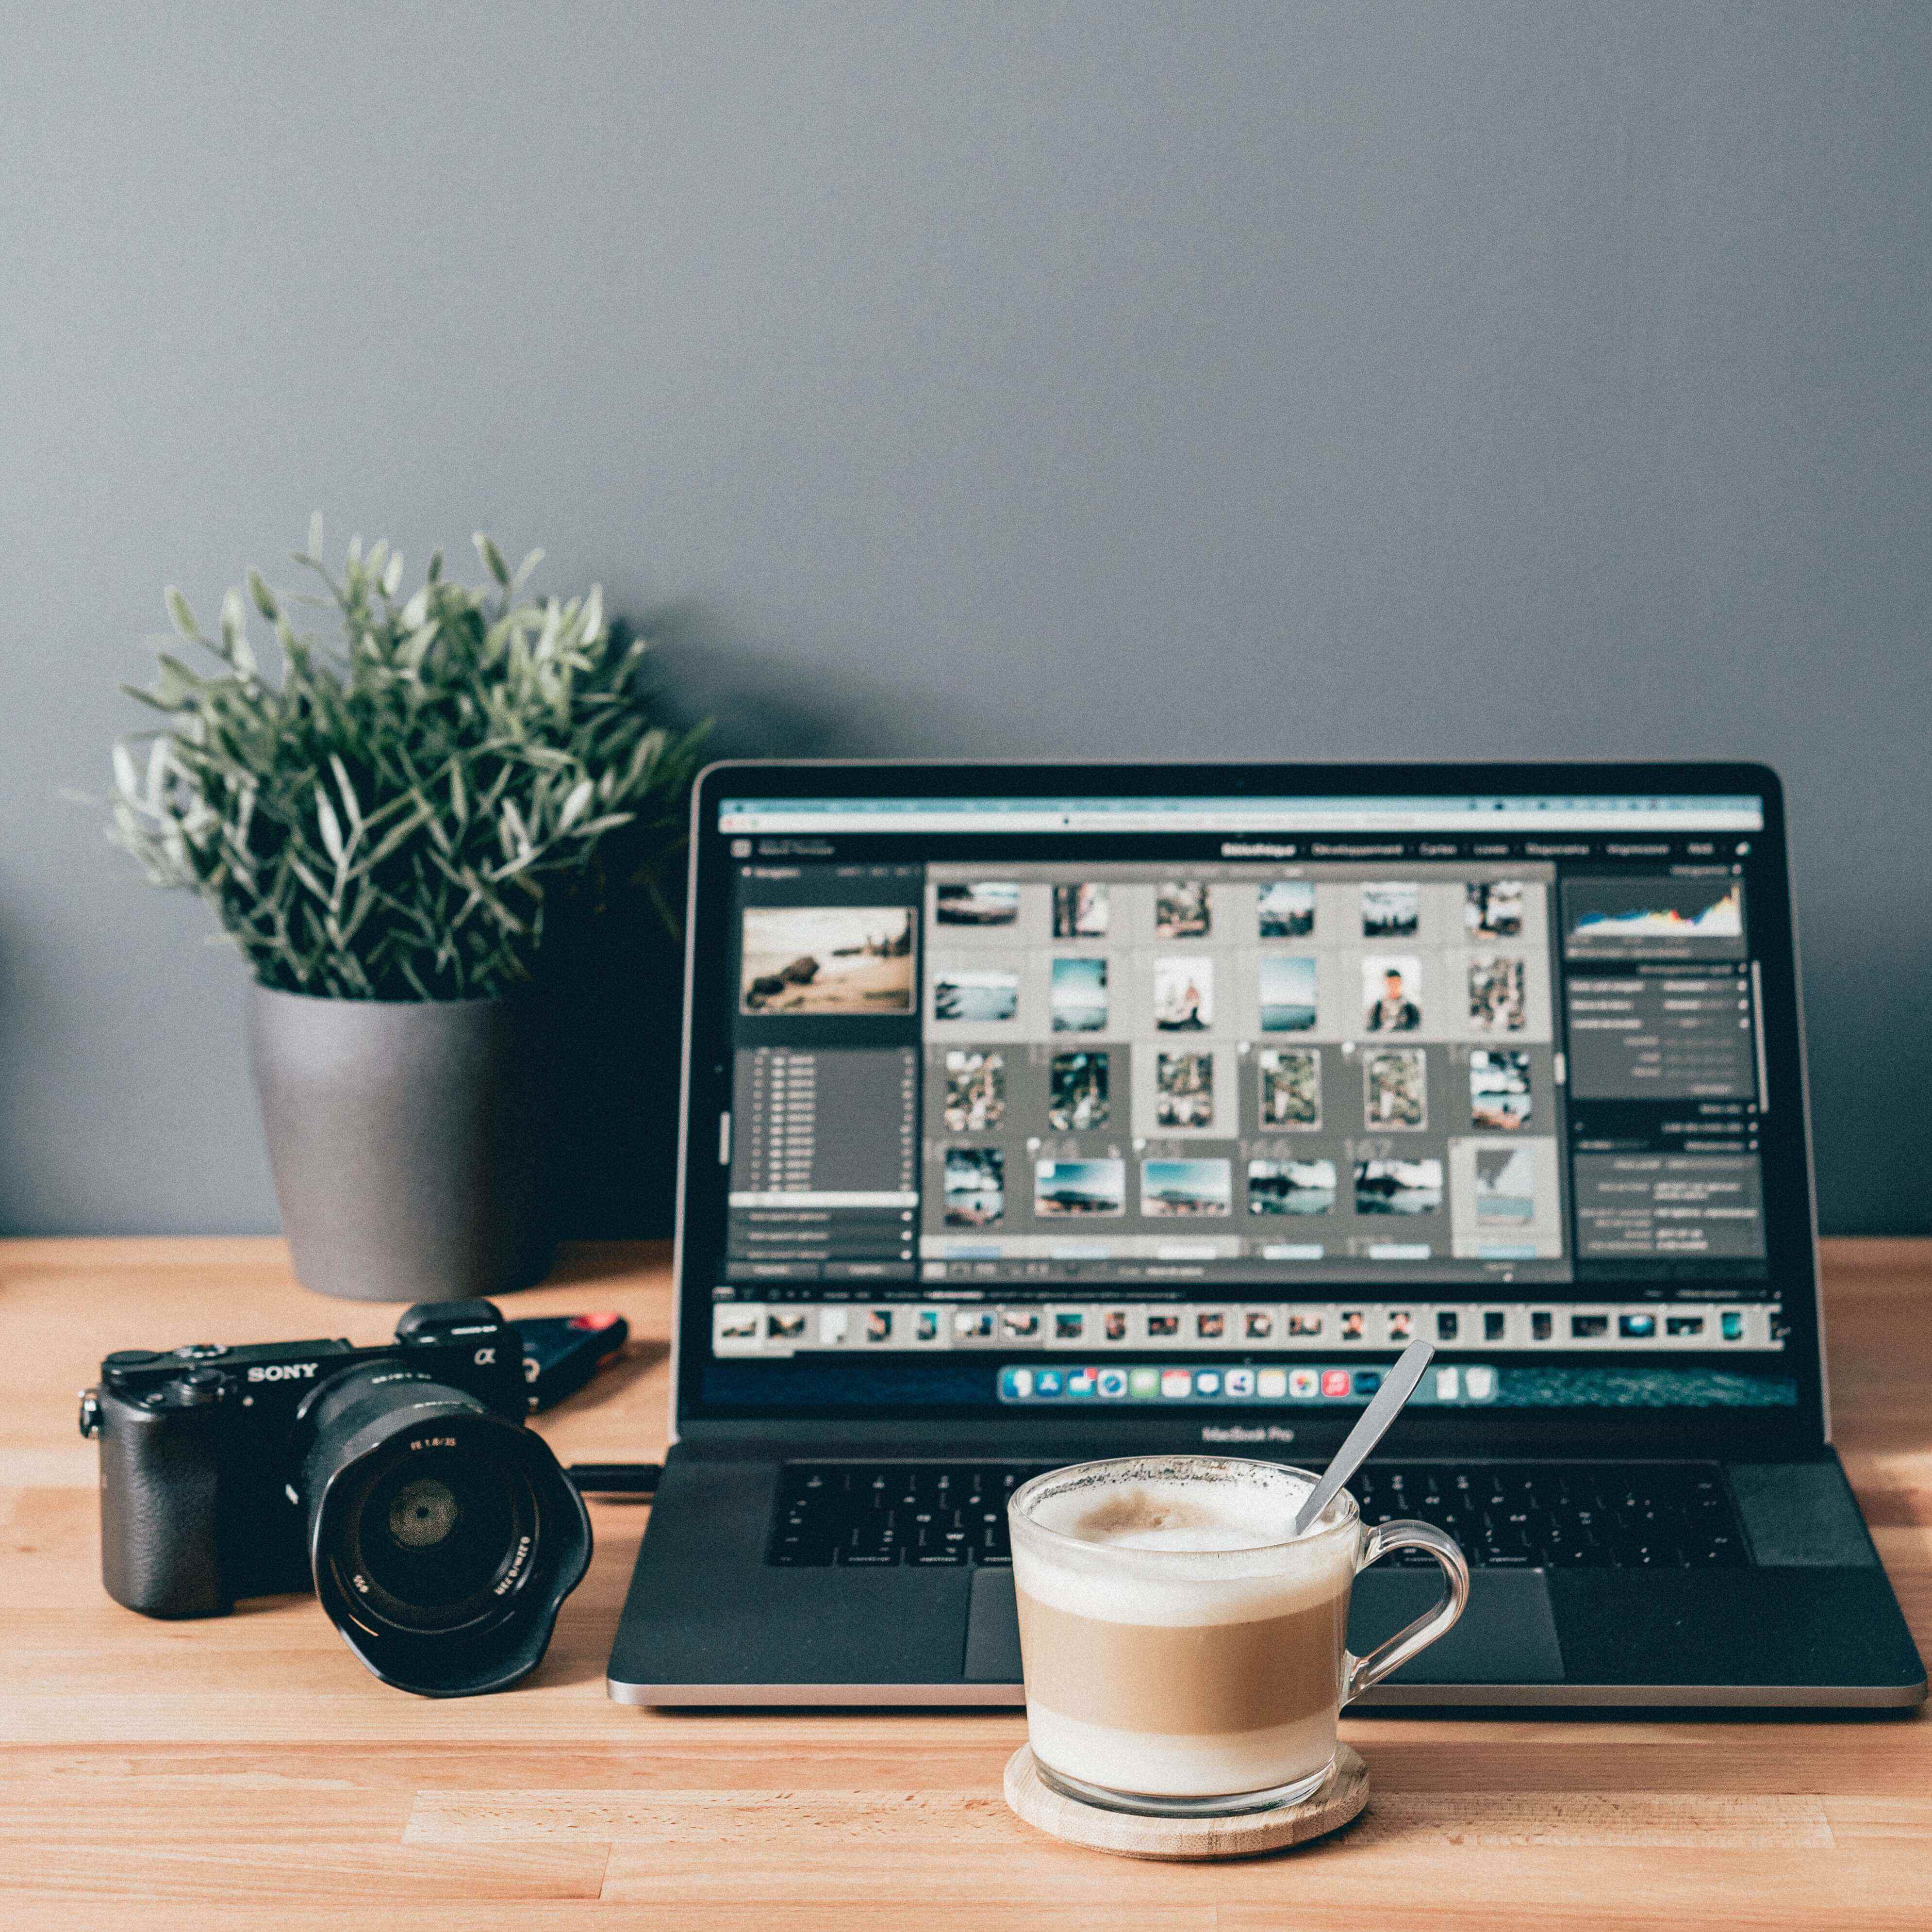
(1144, 1382)
(1303, 1383)
(1019, 1383)
(1176, 1382)
(1272, 1383)
(1446, 1380)
(1113, 1384)
(1480, 1383)
(1334, 1382)
(1207, 1381)
(1240, 1382)
(1048, 1381)
(1080, 1382)
(1367, 1380)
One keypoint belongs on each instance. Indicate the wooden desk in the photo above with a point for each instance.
(248, 1770)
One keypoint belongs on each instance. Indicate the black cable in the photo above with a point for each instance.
(615, 1479)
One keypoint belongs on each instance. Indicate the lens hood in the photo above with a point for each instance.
(443, 1539)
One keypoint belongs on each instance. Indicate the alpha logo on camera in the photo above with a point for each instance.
(283, 1372)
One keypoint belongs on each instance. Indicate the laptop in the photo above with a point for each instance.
(1034, 1113)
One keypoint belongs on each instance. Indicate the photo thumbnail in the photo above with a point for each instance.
(1183, 994)
(827, 959)
(976, 1091)
(1284, 909)
(1505, 1187)
(1391, 992)
(1291, 1187)
(975, 1187)
(1187, 1187)
(1395, 1087)
(1180, 910)
(1391, 909)
(1291, 1086)
(1499, 1089)
(1398, 1186)
(983, 902)
(1287, 992)
(1495, 910)
(1495, 993)
(980, 995)
(1077, 1093)
(1183, 1090)
(1078, 1000)
(1080, 912)
(1079, 1187)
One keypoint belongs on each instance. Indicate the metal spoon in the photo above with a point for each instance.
(1397, 1386)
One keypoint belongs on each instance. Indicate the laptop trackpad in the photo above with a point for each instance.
(1506, 1636)
(993, 1629)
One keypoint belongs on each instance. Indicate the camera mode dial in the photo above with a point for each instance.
(196, 1389)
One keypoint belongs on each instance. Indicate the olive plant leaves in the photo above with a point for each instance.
(389, 819)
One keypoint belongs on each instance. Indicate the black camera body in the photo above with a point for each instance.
(399, 1482)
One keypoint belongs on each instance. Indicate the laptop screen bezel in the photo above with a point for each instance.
(1790, 1224)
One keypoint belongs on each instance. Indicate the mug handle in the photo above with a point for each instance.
(1360, 1673)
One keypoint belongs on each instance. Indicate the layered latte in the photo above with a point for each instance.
(1179, 1641)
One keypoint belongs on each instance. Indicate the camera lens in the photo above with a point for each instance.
(443, 1537)
(432, 1539)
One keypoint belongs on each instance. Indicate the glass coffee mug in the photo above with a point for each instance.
(1184, 1651)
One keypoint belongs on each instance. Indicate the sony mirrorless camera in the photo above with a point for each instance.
(399, 1482)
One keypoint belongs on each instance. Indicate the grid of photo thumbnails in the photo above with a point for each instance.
(1273, 1053)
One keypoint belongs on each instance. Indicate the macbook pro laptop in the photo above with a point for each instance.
(1035, 1113)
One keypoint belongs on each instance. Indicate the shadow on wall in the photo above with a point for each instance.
(620, 978)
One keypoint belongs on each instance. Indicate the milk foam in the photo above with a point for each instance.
(1175, 1553)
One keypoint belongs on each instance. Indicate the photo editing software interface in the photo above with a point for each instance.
(1043, 1102)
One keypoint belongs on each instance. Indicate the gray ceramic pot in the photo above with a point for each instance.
(407, 1142)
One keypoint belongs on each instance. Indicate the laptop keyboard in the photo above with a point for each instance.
(1505, 1515)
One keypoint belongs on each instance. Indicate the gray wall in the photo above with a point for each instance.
(1204, 381)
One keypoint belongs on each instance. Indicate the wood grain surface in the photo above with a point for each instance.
(247, 1771)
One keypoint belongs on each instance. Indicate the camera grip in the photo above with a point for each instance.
(160, 1477)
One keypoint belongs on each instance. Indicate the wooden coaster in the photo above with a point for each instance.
(1340, 1797)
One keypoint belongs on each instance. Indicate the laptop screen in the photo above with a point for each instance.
(1036, 1103)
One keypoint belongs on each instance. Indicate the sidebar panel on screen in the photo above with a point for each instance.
(824, 1130)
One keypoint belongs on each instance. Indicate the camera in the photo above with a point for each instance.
(399, 1482)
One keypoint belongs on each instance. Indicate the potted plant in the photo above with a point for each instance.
(388, 831)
